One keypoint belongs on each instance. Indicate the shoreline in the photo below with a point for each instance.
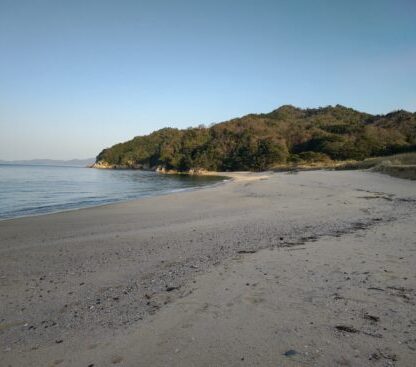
(105, 275)
(401, 165)
(226, 177)
(223, 180)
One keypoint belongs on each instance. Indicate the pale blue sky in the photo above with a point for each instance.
(77, 76)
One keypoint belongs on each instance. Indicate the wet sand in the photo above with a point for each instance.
(318, 265)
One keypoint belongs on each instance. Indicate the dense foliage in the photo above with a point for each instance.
(261, 141)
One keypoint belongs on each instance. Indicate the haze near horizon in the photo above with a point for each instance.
(80, 76)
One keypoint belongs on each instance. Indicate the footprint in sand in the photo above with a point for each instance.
(116, 359)
(253, 298)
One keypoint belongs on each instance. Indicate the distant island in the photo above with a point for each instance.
(257, 142)
(52, 162)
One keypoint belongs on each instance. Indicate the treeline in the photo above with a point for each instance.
(260, 141)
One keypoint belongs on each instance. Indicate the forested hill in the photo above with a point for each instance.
(260, 141)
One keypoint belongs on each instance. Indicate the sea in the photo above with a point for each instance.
(33, 190)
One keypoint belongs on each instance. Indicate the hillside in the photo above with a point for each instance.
(261, 141)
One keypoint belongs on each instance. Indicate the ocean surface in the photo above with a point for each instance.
(32, 190)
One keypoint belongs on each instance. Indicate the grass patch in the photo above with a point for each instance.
(399, 165)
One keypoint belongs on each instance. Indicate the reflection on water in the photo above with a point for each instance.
(31, 190)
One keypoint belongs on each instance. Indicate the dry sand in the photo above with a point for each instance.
(309, 269)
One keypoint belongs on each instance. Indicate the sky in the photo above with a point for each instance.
(79, 76)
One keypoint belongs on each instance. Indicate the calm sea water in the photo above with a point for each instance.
(32, 190)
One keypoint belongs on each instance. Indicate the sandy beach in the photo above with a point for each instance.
(286, 269)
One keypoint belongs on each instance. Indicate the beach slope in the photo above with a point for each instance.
(313, 268)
